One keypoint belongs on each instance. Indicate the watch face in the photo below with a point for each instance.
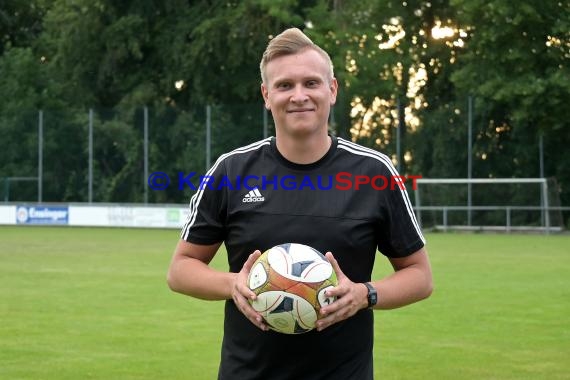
(372, 295)
(373, 299)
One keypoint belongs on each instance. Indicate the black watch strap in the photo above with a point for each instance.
(372, 295)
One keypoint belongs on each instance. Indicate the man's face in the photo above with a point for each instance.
(299, 92)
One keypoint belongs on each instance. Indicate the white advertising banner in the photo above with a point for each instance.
(107, 215)
(127, 216)
(7, 214)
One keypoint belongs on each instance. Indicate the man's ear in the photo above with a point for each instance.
(265, 95)
(334, 90)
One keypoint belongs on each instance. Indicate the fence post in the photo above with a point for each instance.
(541, 169)
(469, 154)
(6, 189)
(265, 127)
(40, 154)
(398, 137)
(508, 212)
(145, 153)
(90, 158)
(208, 135)
(544, 206)
(418, 205)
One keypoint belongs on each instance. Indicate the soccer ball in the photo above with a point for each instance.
(290, 281)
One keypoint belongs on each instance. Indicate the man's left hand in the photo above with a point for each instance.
(351, 297)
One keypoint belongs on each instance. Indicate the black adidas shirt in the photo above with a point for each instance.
(253, 198)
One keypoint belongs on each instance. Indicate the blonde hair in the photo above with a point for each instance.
(290, 41)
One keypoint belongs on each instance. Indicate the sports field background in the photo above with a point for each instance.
(84, 303)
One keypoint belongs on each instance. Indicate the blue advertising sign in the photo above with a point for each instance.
(42, 215)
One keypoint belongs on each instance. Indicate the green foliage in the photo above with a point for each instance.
(20, 22)
(527, 75)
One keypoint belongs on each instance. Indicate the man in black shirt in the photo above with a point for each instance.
(302, 186)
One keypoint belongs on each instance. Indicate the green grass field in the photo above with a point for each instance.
(82, 303)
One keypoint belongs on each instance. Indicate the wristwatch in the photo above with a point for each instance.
(372, 295)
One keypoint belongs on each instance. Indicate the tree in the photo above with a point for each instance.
(402, 66)
(390, 68)
(516, 65)
(175, 57)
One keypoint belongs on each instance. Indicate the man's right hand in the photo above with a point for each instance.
(241, 293)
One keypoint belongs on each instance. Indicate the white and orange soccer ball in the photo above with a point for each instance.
(290, 281)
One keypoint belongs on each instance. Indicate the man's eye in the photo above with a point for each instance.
(312, 83)
(283, 85)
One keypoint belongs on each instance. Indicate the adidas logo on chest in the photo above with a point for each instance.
(253, 196)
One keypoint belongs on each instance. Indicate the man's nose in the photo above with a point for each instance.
(299, 95)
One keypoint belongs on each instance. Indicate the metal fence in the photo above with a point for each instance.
(38, 165)
(439, 218)
(108, 149)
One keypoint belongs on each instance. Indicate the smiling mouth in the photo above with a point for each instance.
(301, 110)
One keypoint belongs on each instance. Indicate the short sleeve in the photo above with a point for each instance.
(206, 217)
(400, 233)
